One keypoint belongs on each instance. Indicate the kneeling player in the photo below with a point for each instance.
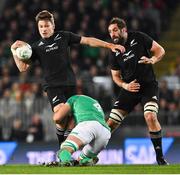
(91, 131)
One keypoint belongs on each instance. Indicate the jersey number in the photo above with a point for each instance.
(98, 107)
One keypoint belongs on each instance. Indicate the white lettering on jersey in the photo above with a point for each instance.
(51, 47)
(132, 43)
(128, 55)
(57, 37)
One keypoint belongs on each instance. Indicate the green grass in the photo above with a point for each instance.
(98, 169)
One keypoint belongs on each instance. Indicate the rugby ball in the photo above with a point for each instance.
(24, 52)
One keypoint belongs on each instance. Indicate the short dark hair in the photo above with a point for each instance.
(45, 15)
(120, 22)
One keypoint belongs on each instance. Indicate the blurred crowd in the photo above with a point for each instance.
(21, 95)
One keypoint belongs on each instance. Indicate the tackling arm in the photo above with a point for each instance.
(22, 66)
(63, 111)
(94, 42)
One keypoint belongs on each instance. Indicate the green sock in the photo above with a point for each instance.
(64, 155)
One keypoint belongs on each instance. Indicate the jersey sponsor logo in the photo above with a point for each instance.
(51, 47)
(57, 37)
(41, 43)
(128, 56)
(132, 43)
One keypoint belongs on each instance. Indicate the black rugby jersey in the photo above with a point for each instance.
(137, 45)
(53, 55)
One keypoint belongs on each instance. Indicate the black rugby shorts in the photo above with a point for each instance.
(57, 95)
(128, 100)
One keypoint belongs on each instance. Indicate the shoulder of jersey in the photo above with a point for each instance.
(38, 43)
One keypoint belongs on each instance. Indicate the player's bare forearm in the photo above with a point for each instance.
(158, 53)
(94, 42)
(116, 76)
(20, 64)
(133, 86)
(62, 112)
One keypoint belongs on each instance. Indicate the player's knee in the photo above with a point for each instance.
(150, 117)
(151, 108)
(116, 117)
(69, 145)
(150, 112)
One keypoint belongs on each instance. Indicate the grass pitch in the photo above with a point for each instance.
(98, 169)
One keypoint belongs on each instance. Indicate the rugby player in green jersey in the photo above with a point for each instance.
(91, 133)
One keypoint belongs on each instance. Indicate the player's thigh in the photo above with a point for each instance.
(150, 98)
(100, 142)
(85, 131)
(58, 95)
(126, 101)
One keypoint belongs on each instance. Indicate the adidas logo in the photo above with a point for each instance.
(117, 53)
(41, 43)
(154, 97)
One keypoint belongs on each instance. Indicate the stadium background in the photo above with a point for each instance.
(23, 105)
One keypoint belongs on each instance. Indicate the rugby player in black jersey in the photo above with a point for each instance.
(132, 71)
(52, 52)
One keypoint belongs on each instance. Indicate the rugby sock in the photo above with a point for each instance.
(67, 132)
(85, 160)
(88, 154)
(64, 155)
(60, 135)
(156, 139)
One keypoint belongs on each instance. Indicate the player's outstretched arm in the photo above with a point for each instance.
(22, 66)
(94, 42)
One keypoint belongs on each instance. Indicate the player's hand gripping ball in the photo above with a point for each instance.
(24, 52)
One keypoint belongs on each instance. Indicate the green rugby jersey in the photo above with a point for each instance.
(85, 108)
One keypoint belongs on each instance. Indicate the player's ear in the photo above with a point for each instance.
(124, 29)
